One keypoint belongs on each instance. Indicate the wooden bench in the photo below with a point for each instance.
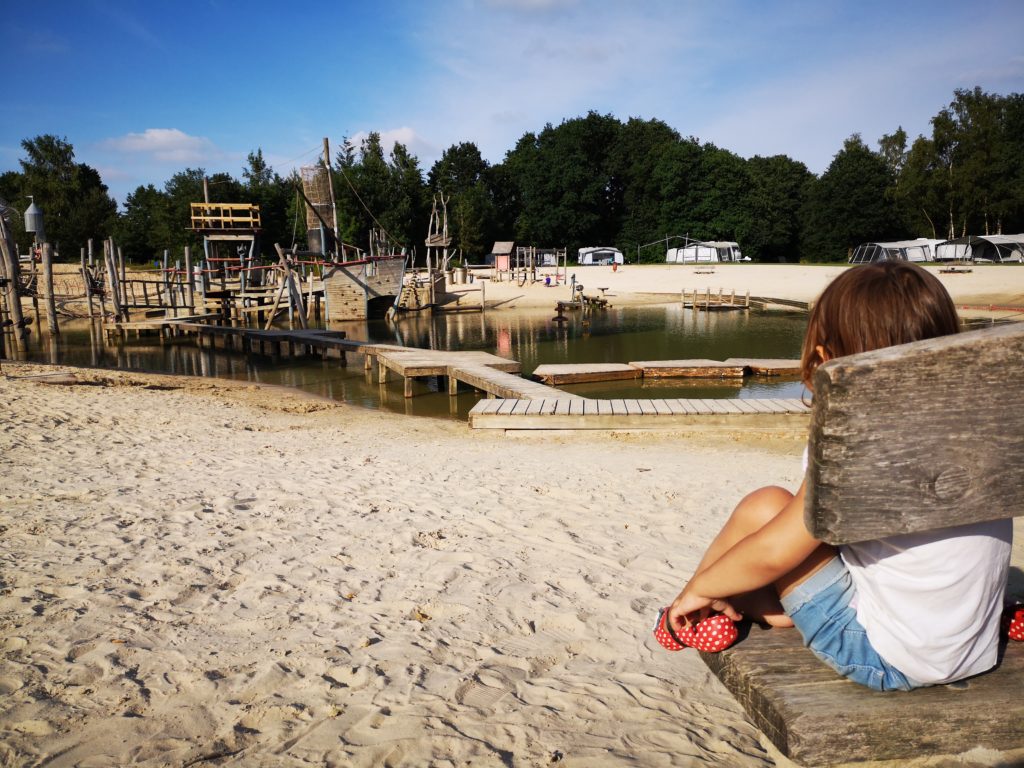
(911, 438)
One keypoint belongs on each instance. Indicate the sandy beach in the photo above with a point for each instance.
(983, 286)
(198, 572)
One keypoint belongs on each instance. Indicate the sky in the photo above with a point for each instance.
(146, 88)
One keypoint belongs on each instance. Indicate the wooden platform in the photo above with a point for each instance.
(578, 373)
(668, 413)
(659, 369)
(798, 701)
(766, 366)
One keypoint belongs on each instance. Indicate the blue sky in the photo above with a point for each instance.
(145, 88)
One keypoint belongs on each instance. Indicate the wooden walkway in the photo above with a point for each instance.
(493, 375)
(636, 414)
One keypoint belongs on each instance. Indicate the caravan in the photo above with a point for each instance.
(708, 252)
(600, 255)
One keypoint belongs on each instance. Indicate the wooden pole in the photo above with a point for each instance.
(90, 253)
(122, 275)
(113, 288)
(86, 281)
(51, 303)
(190, 285)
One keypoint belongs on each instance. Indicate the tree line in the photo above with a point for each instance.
(591, 180)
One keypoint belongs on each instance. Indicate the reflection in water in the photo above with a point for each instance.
(618, 335)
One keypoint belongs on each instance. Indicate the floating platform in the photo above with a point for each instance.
(754, 414)
(578, 373)
(767, 366)
(705, 369)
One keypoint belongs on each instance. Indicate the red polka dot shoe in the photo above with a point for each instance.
(1013, 622)
(713, 634)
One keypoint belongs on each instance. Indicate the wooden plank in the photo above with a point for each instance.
(576, 407)
(506, 406)
(562, 407)
(520, 407)
(676, 406)
(657, 369)
(714, 405)
(633, 406)
(647, 407)
(698, 406)
(918, 437)
(585, 372)
(604, 407)
(661, 407)
(743, 406)
(619, 407)
(765, 406)
(548, 405)
(534, 408)
(816, 717)
(767, 366)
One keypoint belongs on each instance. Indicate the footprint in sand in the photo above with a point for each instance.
(489, 685)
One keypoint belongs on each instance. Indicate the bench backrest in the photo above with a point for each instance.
(918, 437)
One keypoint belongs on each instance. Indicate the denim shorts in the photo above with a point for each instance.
(820, 609)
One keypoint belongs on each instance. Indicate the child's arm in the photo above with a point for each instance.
(756, 561)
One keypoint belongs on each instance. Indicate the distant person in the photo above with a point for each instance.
(894, 613)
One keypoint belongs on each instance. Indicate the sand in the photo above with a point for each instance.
(196, 572)
(985, 285)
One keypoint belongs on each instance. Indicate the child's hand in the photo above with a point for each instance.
(689, 608)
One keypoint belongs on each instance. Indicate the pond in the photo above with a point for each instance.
(616, 335)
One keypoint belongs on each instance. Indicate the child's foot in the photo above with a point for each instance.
(713, 634)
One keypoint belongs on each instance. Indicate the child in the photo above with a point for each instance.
(895, 613)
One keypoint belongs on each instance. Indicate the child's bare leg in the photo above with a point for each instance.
(753, 512)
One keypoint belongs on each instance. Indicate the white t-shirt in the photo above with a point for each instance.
(930, 602)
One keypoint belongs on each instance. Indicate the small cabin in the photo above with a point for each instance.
(600, 255)
(500, 256)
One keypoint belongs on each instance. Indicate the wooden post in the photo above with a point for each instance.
(86, 279)
(91, 262)
(51, 304)
(9, 253)
(483, 301)
(122, 274)
(748, 300)
(113, 288)
(190, 285)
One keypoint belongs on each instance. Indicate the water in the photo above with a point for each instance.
(618, 335)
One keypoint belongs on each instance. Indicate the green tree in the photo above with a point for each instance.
(848, 204)
(143, 229)
(776, 196)
(463, 176)
(639, 148)
(75, 201)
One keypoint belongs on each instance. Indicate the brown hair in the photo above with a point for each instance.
(874, 306)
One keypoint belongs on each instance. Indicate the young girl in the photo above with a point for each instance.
(895, 613)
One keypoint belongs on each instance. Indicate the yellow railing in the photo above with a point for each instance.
(220, 216)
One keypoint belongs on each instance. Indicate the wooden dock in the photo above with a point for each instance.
(577, 373)
(676, 413)
(734, 367)
(704, 369)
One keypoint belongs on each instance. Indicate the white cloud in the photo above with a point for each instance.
(166, 145)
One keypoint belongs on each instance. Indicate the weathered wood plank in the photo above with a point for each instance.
(506, 406)
(585, 372)
(818, 718)
(661, 407)
(657, 369)
(918, 437)
(619, 407)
